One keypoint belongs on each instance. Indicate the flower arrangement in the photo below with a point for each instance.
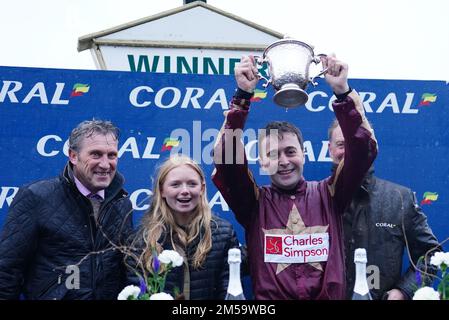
(441, 261)
(152, 287)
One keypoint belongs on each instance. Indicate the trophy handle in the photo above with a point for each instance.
(259, 61)
(317, 60)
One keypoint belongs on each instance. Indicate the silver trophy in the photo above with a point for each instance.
(288, 67)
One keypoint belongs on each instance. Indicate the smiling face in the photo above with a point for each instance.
(95, 164)
(283, 158)
(182, 190)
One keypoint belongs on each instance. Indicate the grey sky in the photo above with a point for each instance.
(380, 39)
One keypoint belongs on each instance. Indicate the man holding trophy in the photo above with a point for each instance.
(293, 227)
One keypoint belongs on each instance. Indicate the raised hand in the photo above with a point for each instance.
(246, 74)
(337, 74)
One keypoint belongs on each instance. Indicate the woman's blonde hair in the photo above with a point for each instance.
(160, 221)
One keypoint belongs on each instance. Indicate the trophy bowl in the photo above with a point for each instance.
(288, 67)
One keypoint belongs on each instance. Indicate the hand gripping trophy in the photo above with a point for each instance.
(288, 67)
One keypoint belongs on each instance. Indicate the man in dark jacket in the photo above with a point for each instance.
(384, 218)
(62, 236)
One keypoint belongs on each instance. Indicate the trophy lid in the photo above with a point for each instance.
(285, 41)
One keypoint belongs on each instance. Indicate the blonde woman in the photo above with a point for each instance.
(180, 219)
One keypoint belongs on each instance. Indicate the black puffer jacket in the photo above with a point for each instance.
(210, 282)
(375, 220)
(50, 227)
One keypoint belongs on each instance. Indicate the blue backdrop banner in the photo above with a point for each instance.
(163, 113)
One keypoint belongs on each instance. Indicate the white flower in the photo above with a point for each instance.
(172, 256)
(129, 291)
(426, 293)
(161, 296)
(440, 257)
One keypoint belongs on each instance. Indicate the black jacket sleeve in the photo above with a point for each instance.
(420, 240)
(18, 242)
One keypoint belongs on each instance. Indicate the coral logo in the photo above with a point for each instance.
(44, 93)
(258, 95)
(273, 245)
(79, 89)
(426, 99)
(429, 197)
(169, 143)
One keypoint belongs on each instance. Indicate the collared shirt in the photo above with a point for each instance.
(86, 192)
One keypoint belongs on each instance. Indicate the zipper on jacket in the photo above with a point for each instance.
(48, 286)
(92, 238)
(106, 207)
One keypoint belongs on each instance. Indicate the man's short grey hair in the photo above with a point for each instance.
(334, 125)
(331, 129)
(89, 128)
